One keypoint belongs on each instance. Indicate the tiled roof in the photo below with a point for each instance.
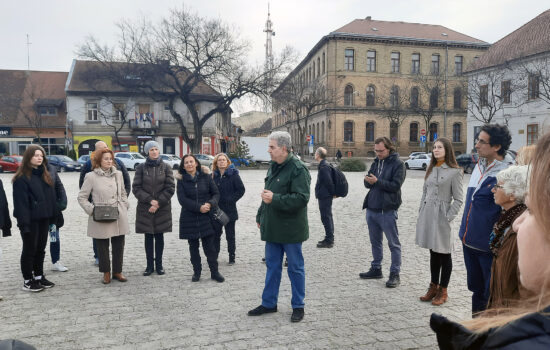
(403, 30)
(82, 71)
(530, 39)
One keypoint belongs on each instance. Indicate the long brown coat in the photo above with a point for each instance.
(107, 188)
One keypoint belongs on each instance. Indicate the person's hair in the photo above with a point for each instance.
(525, 155)
(26, 168)
(322, 152)
(215, 161)
(498, 135)
(98, 155)
(514, 181)
(450, 158)
(283, 139)
(539, 207)
(387, 143)
(98, 142)
(182, 168)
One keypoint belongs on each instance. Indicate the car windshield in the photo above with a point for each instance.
(138, 156)
(18, 158)
(65, 158)
(176, 158)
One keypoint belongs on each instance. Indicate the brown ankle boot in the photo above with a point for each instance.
(431, 293)
(106, 277)
(441, 297)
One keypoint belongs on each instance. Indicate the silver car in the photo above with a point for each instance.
(205, 159)
(171, 159)
(131, 160)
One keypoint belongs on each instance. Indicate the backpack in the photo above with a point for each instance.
(340, 182)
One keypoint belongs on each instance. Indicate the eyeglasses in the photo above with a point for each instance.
(482, 142)
(379, 150)
(497, 186)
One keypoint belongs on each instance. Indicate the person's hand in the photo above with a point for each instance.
(155, 203)
(258, 224)
(267, 196)
(371, 179)
(205, 208)
(153, 209)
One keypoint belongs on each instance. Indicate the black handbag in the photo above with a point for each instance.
(106, 213)
(220, 216)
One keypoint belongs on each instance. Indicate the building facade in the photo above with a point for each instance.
(383, 77)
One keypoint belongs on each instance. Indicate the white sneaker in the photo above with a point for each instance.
(58, 266)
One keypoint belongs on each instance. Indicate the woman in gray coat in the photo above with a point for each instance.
(153, 187)
(441, 201)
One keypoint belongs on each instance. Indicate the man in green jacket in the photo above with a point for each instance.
(282, 219)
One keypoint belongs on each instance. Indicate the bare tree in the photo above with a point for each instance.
(534, 78)
(300, 99)
(186, 58)
(115, 114)
(394, 103)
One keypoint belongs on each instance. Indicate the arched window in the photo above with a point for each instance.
(414, 97)
(394, 131)
(313, 76)
(318, 66)
(413, 135)
(369, 132)
(433, 132)
(348, 95)
(458, 98)
(370, 95)
(323, 63)
(323, 131)
(434, 98)
(456, 132)
(317, 135)
(394, 96)
(348, 131)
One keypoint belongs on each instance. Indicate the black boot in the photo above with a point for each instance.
(231, 259)
(216, 276)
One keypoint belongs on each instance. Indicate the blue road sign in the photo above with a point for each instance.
(423, 138)
(435, 136)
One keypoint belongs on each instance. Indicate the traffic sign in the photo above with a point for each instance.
(423, 138)
(423, 132)
(435, 136)
(308, 138)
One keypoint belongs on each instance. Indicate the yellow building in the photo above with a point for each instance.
(393, 79)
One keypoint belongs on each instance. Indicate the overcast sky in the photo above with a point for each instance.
(56, 27)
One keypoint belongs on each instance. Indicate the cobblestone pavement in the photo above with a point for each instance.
(170, 312)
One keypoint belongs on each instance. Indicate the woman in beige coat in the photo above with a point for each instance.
(441, 201)
(106, 185)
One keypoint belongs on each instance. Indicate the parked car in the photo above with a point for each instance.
(10, 163)
(414, 154)
(205, 159)
(171, 159)
(64, 163)
(131, 160)
(420, 161)
(83, 159)
(467, 161)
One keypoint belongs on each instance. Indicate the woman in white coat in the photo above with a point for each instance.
(441, 201)
(106, 185)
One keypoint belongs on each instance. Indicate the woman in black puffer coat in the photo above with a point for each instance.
(35, 208)
(153, 187)
(197, 195)
(231, 189)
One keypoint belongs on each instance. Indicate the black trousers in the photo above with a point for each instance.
(229, 236)
(209, 250)
(34, 249)
(325, 208)
(117, 243)
(441, 263)
(154, 247)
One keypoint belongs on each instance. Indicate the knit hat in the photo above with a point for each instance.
(149, 145)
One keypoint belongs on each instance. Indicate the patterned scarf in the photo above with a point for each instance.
(501, 226)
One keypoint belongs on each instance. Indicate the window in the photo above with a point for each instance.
(348, 131)
(484, 95)
(457, 98)
(322, 131)
(434, 98)
(370, 96)
(394, 97)
(395, 62)
(458, 65)
(533, 89)
(369, 132)
(433, 132)
(91, 112)
(532, 134)
(167, 116)
(348, 59)
(371, 61)
(413, 133)
(415, 67)
(394, 130)
(48, 111)
(414, 97)
(456, 132)
(119, 111)
(435, 64)
(313, 70)
(477, 130)
(505, 91)
(323, 63)
(348, 96)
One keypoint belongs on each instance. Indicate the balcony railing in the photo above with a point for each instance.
(136, 124)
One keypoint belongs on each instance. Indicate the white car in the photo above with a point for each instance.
(414, 154)
(205, 159)
(171, 159)
(421, 161)
(131, 160)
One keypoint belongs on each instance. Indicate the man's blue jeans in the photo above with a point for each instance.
(274, 253)
(386, 222)
(55, 248)
(478, 271)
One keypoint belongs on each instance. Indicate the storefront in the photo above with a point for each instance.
(86, 144)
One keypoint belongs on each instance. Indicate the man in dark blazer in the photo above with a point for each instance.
(324, 192)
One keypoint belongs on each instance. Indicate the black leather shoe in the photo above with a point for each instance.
(297, 314)
(260, 310)
(148, 272)
(196, 277)
(216, 276)
(232, 260)
(372, 274)
(394, 280)
(160, 271)
(325, 244)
